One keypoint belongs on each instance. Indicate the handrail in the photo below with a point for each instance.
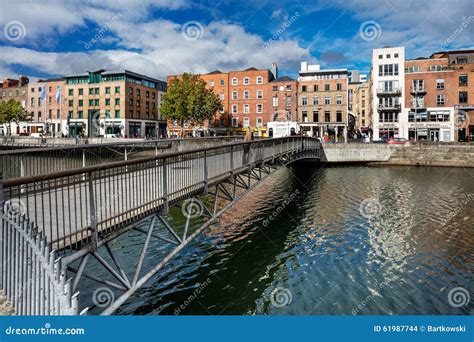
(106, 166)
(114, 144)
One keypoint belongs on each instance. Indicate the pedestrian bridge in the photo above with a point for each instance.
(54, 224)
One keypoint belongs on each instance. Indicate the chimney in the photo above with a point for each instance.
(274, 70)
(23, 80)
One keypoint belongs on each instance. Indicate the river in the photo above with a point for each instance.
(340, 240)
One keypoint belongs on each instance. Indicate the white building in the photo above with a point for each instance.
(389, 118)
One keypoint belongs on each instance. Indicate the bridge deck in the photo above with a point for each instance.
(60, 204)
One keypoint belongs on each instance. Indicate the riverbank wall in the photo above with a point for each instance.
(415, 154)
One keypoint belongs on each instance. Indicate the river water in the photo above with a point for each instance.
(342, 240)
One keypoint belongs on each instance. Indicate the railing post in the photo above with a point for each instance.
(83, 158)
(206, 180)
(273, 151)
(165, 186)
(92, 212)
(232, 161)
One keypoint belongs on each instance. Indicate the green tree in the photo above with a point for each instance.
(12, 111)
(188, 101)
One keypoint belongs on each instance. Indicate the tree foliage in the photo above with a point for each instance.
(12, 111)
(188, 101)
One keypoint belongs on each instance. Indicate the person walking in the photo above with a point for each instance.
(247, 139)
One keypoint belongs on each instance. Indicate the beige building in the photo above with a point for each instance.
(113, 103)
(359, 105)
(323, 102)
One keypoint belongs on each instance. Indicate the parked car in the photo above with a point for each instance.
(398, 141)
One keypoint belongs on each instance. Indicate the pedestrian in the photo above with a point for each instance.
(247, 139)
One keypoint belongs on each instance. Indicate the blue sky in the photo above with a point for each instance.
(42, 38)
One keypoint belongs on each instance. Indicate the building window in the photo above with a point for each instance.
(50, 113)
(246, 108)
(246, 122)
(130, 90)
(71, 103)
(275, 88)
(246, 80)
(462, 80)
(304, 101)
(395, 55)
(461, 60)
(339, 86)
(107, 114)
(234, 95)
(288, 101)
(234, 108)
(246, 94)
(235, 81)
(32, 101)
(81, 103)
(440, 84)
(91, 91)
(259, 122)
(305, 116)
(380, 56)
(463, 97)
(327, 100)
(70, 92)
(81, 91)
(117, 113)
(32, 90)
(117, 101)
(289, 87)
(418, 85)
(327, 116)
(58, 114)
(316, 87)
(235, 122)
(221, 83)
(327, 87)
(275, 101)
(80, 114)
(107, 102)
(315, 101)
(339, 100)
(439, 100)
(259, 94)
(96, 103)
(222, 95)
(259, 108)
(107, 90)
(339, 113)
(153, 95)
(303, 89)
(70, 114)
(259, 80)
(211, 83)
(315, 116)
(117, 90)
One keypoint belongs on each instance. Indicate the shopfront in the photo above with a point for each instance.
(134, 129)
(150, 130)
(388, 131)
(465, 122)
(113, 128)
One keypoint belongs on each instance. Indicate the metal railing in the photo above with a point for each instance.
(39, 160)
(72, 207)
(32, 278)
